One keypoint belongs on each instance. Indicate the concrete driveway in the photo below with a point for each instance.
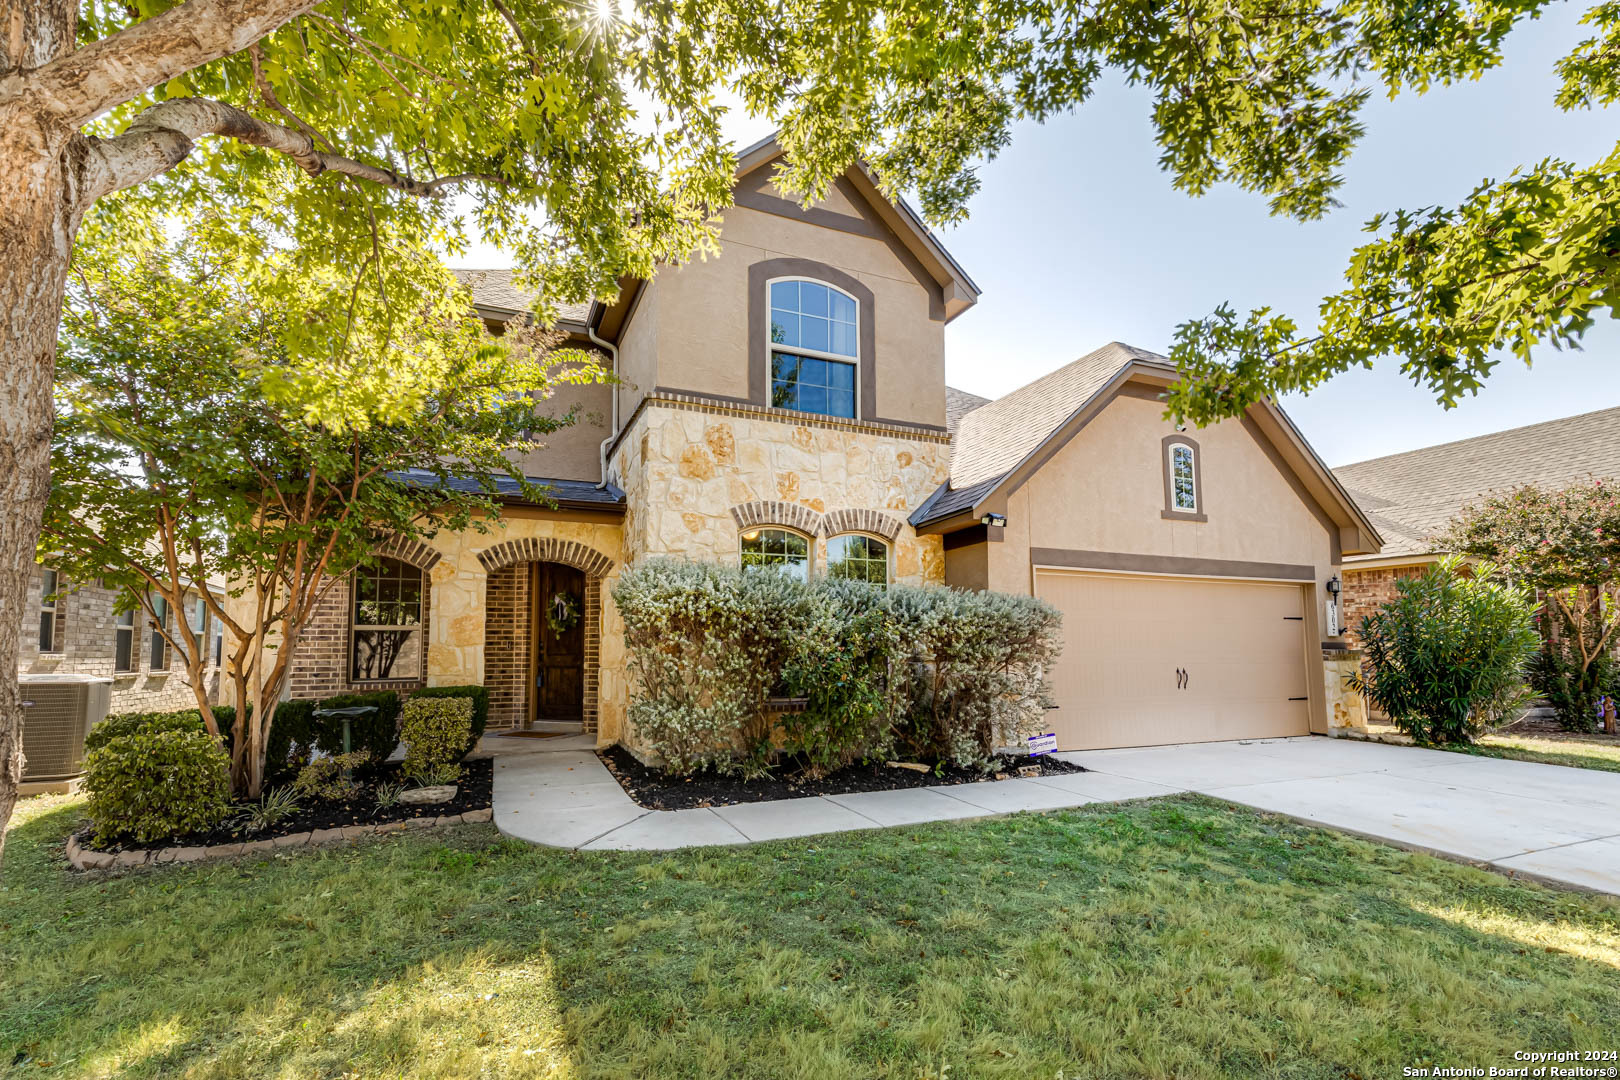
(1549, 821)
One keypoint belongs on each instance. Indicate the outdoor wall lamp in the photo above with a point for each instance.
(998, 520)
(1333, 585)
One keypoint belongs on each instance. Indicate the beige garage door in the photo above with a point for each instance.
(1152, 660)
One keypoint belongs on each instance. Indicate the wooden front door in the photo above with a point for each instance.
(558, 687)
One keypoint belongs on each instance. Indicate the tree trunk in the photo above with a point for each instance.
(39, 215)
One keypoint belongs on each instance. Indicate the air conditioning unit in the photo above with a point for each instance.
(58, 711)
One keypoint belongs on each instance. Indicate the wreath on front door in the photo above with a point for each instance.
(562, 614)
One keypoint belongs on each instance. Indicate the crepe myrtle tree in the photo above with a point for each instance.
(1564, 542)
(187, 449)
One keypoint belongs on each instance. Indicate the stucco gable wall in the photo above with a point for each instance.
(702, 312)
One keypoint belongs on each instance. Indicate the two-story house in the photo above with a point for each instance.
(785, 403)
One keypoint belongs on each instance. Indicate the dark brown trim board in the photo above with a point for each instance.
(1170, 513)
(1176, 565)
(974, 534)
(759, 312)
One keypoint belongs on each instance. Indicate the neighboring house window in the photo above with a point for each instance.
(787, 551)
(387, 640)
(219, 642)
(1183, 481)
(124, 641)
(859, 558)
(160, 646)
(814, 348)
(199, 623)
(52, 613)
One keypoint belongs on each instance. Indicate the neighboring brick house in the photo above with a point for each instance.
(1411, 497)
(785, 404)
(74, 628)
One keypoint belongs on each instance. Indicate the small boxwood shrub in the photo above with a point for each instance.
(434, 730)
(941, 673)
(376, 734)
(119, 725)
(155, 783)
(478, 695)
(1449, 655)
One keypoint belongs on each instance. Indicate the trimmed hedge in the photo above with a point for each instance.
(434, 730)
(479, 695)
(156, 782)
(119, 725)
(939, 673)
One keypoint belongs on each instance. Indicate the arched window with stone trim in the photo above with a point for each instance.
(858, 557)
(773, 547)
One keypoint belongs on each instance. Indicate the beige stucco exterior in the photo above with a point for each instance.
(1099, 501)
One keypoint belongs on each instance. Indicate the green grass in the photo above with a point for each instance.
(1565, 750)
(1181, 938)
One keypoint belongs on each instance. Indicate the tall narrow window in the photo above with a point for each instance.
(52, 613)
(159, 658)
(814, 348)
(779, 549)
(199, 624)
(219, 642)
(1183, 479)
(858, 558)
(124, 642)
(387, 639)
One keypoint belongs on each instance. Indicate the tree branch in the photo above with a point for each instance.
(104, 74)
(164, 135)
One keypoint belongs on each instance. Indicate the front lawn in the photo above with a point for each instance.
(1177, 938)
(1593, 752)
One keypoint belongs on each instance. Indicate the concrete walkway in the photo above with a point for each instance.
(557, 792)
(1546, 821)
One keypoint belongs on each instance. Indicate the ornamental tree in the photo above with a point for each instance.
(1563, 541)
(187, 449)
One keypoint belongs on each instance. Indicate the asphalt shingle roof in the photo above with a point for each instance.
(990, 438)
(1410, 497)
(958, 403)
(495, 289)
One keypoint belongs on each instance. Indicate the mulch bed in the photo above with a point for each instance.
(656, 791)
(473, 793)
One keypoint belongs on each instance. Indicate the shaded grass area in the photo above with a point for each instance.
(1180, 937)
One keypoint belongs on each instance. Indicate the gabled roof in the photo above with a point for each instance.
(1412, 496)
(998, 445)
(960, 292)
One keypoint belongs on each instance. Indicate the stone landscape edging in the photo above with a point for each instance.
(84, 858)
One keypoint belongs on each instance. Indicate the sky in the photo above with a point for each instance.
(1077, 238)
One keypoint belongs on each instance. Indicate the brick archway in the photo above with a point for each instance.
(508, 633)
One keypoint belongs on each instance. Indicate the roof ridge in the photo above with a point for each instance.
(1478, 438)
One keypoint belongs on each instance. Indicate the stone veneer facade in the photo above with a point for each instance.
(697, 474)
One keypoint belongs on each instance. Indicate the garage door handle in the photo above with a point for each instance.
(1181, 678)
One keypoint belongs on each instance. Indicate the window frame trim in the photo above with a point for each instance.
(772, 347)
(134, 652)
(888, 553)
(808, 538)
(349, 677)
(1167, 447)
(56, 610)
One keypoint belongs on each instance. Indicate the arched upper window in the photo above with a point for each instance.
(858, 558)
(814, 347)
(780, 549)
(1183, 479)
(387, 627)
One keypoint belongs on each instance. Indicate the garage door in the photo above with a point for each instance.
(1153, 660)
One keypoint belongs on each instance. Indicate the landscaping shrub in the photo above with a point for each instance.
(479, 695)
(845, 666)
(1575, 689)
(707, 646)
(156, 782)
(948, 674)
(119, 725)
(434, 730)
(1449, 655)
(977, 677)
(323, 778)
(376, 734)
